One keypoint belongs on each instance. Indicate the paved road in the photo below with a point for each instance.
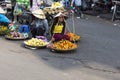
(97, 57)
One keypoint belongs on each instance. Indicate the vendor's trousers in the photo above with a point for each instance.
(58, 37)
(37, 32)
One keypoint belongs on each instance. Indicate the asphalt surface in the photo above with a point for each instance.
(97, 56)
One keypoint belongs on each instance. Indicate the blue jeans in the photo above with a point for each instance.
(67, 3)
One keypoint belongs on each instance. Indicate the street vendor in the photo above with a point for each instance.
(58, 27)
(40, 27)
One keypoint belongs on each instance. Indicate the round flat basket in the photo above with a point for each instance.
(75, 40)
(62, 51)
(34, 47)
(9, 38)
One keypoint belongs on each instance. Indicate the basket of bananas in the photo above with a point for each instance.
(73, 37)
(63, 46)
(4, 30)
(35, 43)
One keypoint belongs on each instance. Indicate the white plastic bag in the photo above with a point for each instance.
(17, 9)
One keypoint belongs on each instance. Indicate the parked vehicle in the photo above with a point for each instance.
(101, 6)
(116, 10)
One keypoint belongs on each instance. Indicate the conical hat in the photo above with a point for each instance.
(60, 14)
(2, 11)
(39, 14)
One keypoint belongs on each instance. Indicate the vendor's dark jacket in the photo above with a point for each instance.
(54, 24)
(13, 2)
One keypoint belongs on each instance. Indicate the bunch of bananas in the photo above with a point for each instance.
(55, 4)
(36, 42)
(73, 36)
(3, 29)
(53, 10)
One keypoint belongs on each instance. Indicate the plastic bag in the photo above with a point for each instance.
(4, 19)
(17, 10)
(12, 27)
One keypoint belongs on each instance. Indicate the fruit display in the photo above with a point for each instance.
(36, 42)
(73, 36)
(3, 30)
(64, 45)
(53, 10)
(56, 4)
(17, 35)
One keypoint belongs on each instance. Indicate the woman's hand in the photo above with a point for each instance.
(52, 39)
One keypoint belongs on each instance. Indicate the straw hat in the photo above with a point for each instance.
(50, 11)
(60, 14)
(39, 14)
(2, 11)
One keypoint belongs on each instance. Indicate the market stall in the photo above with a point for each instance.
(17, 32)
(55, 8)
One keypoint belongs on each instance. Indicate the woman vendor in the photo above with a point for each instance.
(40, 27)
(58, 27)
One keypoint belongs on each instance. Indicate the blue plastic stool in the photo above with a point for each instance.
(24, 29)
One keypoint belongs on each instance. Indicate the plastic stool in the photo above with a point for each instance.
(24, 29)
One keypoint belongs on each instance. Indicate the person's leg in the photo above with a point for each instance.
(66, 37)
(77, 13)
(12, 13)
(33, 32)
(81, 12)
(14, 17)
(58, 37)
(40, 32)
